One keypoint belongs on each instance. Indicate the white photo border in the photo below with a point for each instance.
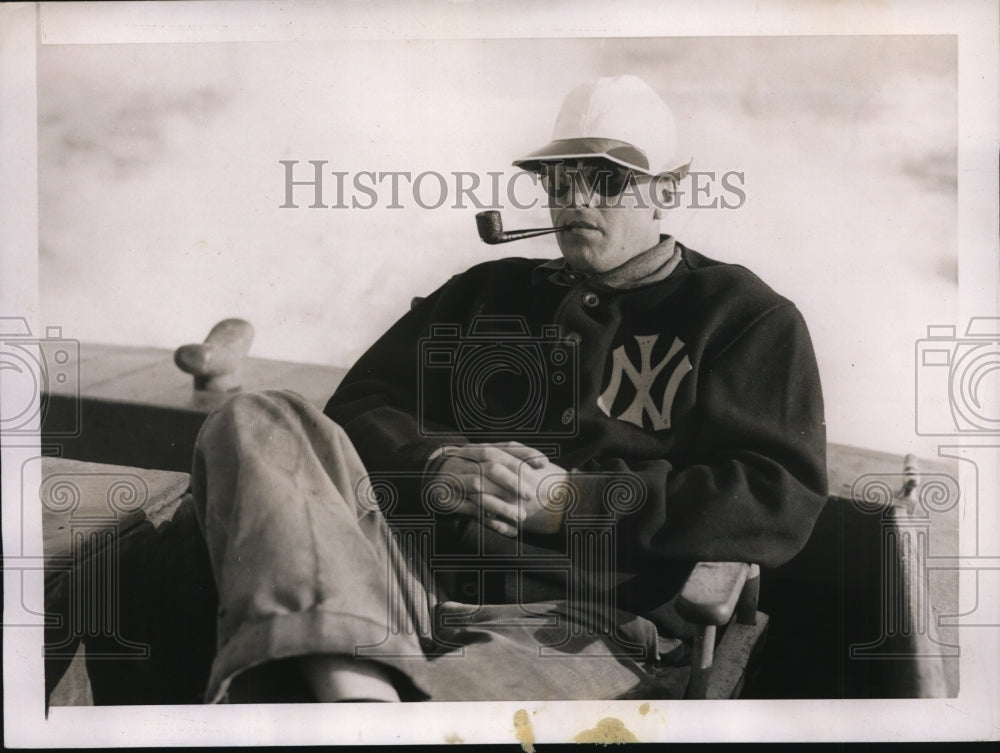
(972, 715)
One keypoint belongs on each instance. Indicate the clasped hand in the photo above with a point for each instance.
(508, 486)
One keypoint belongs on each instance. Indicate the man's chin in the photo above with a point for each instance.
(583, 263)
(579, 254)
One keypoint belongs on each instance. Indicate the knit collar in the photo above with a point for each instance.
(652, 265)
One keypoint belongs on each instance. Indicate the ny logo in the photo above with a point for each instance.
(643, 378)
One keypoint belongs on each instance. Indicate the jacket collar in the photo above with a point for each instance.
(652, 265)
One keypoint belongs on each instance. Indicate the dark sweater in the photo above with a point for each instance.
(731, 467)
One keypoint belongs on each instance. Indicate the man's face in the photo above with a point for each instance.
(609, 209)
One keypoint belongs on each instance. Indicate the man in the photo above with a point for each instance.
(634, 401)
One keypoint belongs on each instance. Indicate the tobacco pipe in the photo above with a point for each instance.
(490, 226)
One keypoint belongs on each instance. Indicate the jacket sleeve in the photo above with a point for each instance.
(754, 480)
(378, 405)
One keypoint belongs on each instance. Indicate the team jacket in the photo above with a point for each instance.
(689, 409)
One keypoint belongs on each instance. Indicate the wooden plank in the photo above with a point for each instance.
(62, 362)
(75, 492)
(732, 658)
(315, 383)
(111, 362)
(846, 464)
(85, 360)
(148, 376)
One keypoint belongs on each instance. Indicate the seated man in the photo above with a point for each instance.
(520, 473)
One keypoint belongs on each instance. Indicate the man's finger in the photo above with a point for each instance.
(506, 479)
(468, 508)
(487, 507)
(491, 521)
(482, 484)
(511, 454)
(495, 508)
(492, 471)
(504, 529)
(474, 481)
(536, 458)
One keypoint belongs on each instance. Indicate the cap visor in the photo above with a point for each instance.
(619, 152)
(679, 172)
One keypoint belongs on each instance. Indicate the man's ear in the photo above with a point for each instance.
(665, 188)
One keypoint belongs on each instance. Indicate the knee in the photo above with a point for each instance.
(261, 405)
(267, 413)
(252, 413)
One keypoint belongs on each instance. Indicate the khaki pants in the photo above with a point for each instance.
(306, 563)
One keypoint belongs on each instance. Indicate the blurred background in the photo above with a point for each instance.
(160, 186)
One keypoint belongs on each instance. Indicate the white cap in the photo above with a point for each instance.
(620, 119)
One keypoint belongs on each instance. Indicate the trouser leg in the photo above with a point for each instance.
(302, 566)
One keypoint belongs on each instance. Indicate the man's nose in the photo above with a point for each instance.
(579, 194)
